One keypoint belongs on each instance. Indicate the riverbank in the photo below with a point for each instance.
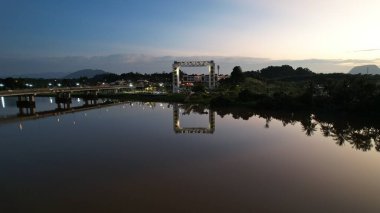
(245, 99)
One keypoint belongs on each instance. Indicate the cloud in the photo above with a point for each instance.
(367, 50)
(122, 63)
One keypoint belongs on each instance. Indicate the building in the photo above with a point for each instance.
(190, 80)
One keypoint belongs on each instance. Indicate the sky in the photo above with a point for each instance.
(146, 36)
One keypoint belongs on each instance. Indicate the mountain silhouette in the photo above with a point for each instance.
(366, 69)
(89, 73)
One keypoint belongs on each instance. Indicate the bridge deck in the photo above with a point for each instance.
(42, 91)
(44, 114)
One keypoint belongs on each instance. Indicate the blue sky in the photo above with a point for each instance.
(290, 31)
(61, 28)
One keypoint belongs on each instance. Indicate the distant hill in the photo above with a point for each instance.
(89, 73)
(366, 69)
(44, 75)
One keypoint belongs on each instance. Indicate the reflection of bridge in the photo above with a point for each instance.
(27, 104)
(50, 113)
(197, 130)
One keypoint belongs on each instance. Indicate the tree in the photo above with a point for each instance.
(198, 88)
(237, 75)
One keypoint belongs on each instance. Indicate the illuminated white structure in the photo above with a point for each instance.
(177, 65)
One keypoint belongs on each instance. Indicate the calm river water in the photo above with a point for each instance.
(160, 157)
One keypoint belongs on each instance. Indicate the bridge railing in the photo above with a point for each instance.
(39, 91)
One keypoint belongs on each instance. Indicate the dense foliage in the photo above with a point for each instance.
(274, 87)
(284, 87)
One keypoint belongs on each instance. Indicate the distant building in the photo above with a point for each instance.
(119, 82)
(142, 84)
(190, 80)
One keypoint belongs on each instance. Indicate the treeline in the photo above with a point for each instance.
(133, 76)
(284, 73)
(284, 87)
(23, 83)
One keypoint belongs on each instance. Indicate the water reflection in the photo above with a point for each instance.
(31, 106)
(188, 109)
(46, 112)
(360, 132)
(2, 102)
(130, 160)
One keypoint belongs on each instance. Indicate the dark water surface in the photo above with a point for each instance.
(132, 158)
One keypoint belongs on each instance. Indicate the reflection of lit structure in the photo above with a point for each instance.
(178, 129)
(2, 102)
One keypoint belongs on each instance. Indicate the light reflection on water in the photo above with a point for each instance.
(128, 158)
(2, 102)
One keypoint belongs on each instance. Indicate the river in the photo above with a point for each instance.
(161, 157)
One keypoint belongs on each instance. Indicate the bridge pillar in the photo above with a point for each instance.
(91, 98)
(176, 122)
(26, 104)
(176, 82)
(63, 100)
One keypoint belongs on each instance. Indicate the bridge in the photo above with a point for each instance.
(51, 113)
(44, 91)
(26, 97)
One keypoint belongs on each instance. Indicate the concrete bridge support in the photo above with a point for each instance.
(63, 100)
(91, 98)
(26, 104)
